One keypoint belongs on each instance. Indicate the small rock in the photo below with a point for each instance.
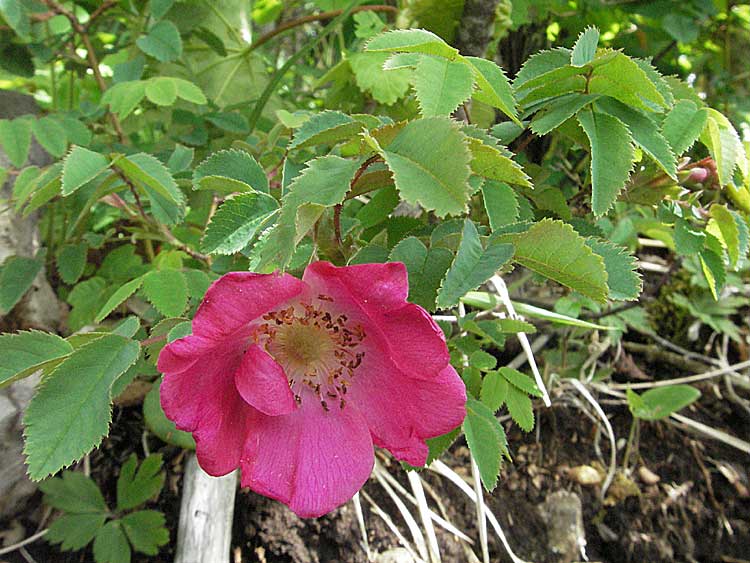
(563, 514)
(585, 475)
(648, 476)
(396, 555)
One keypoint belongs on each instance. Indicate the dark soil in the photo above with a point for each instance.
(693, 514)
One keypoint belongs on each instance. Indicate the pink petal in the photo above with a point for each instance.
(403, 411)
(375, 296)
(237, 298)
(262, 383)
(199, 395)
(312, 460)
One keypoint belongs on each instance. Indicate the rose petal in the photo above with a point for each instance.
(199, 395)
(263, 384)
(312, 460)
(237, 298)
(374, 295)
(402, 411)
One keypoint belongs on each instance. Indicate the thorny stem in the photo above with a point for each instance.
(337, 208)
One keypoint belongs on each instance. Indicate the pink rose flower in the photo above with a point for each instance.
(294, 380)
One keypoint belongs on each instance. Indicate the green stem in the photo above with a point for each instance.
(279, 74)
(629, 445)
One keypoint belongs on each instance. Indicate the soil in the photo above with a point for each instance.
(694, 513)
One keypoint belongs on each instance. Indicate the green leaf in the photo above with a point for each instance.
(683, 125)
(623, 281)
(167, 201)
(520, 408)
(16, 277)
(180, 159)
(163, 42)
(482, 360)
(645, 133)
(385, 86)
(15, 137)
(486, 439)
(538, 66)
(494, 390)
(237, 222)
(136, 487)
(111, 545)
(71, 260)
(162, 90)
(554, 250)
(585, 47)
(622, 78)
(159, 8)
(167, 291)
(429, 161)
(26, 352)
(714, 271)
(230, 121)
(724, 226)
(146, 530)
(189, 92)
(688, 240)
(521, 381)
(491, 163)
(500, 202)
(234, 164)
(412, 41)
(158, 423)
(328, 127)
(70, 413)
(75, 531)
(51, 135)
(26, 182)
(426, 269)
(559, 111)
(612, 157)
(660, 402)
(472, 266)
(379, 208)
(441, 85)
(80, 167)
(74, 492)
(118, 297)
(493, 87)
(124, 97)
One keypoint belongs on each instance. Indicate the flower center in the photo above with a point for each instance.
(318, 351)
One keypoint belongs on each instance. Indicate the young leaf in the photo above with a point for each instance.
(585, 47)
(713, 270)
(189, 92)
(51, 135)
(660, 402)
(500, 202)
(385, 87)
(235, 165)
(441, 85)
(623, 281)
(118, 297)
(80, 167)
(75, 531)
(59, 432)
(237, 222)
(25, 352)
(726, 228)
(472, 266)
(493, 87)
(426, 269)
(167, 291)
(521, 381)
(163, 42)
(724, 145)
(146, 531)
(486, 439)
(412, 41)
(17, 274)
(73, 492)
(491, 163)
(683, 125)
(135, 488)
(554, 250)
(612, 157)
(622, 78)
(429, 161)
(494, 390)
(15, 138)
(111, 545)
(71, 260)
